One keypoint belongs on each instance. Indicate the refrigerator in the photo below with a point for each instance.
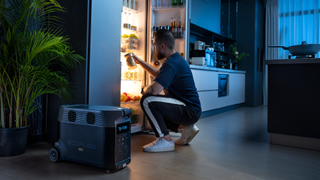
(95, 29)
(145, 17)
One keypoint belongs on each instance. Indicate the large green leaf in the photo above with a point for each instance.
(34, 61)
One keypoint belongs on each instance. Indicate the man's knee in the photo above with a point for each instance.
(144, 96)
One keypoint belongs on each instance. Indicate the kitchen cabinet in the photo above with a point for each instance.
(206, 14)
(206, 81)
(237, 88)
(293, 102)
(199, 13)
(208, 100)
(214, 15)
(228, 20)
(201, 78)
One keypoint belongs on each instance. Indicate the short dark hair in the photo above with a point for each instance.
(166, 37)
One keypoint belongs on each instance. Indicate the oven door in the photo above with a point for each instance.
(222, 87)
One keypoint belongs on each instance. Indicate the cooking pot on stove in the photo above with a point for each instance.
(303, 49)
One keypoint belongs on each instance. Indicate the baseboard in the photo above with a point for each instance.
(295, 141)
(220, 110)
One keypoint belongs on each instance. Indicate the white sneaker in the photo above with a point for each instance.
(159, 145)
(187, 134)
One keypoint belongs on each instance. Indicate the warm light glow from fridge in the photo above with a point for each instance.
(131, 87)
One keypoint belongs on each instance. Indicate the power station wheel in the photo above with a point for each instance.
(54, 155)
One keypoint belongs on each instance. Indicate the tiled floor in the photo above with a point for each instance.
(231, 145)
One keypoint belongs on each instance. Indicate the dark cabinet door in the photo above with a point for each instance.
(199, 13)
(214, 13)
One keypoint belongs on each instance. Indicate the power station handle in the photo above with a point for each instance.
(127, 112)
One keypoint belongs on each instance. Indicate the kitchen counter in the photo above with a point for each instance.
(216, 69)
(293, 102)
(294, 61)
(210, 84)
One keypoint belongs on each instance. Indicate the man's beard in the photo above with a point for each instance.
(160, 55)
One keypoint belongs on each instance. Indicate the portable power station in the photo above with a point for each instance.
(95, 135)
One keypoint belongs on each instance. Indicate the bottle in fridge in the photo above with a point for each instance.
(180, 35)
(175, 28)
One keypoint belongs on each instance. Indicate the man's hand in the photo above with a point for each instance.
(150, 69)
(136, 59)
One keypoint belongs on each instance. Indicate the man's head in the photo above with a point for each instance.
(164, 43)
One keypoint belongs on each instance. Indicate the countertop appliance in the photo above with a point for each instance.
(199, 45)
(95, 135)
(203, 57)
(198, 61)
(211, 57)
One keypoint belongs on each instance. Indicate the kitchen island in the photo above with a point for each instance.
(293, 102)
(219, 89)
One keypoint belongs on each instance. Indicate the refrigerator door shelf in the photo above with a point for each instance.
(179, 39)
(130, 10)
(169, 8)
(126, 30)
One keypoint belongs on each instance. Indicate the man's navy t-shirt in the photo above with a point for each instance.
(176, 76)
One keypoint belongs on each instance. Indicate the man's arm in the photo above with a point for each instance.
(147, 67)
(155, 88)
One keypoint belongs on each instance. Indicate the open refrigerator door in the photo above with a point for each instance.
(133, 40)
(174, 16)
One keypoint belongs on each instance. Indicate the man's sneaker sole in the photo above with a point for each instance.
(193, 133)
(160, 149)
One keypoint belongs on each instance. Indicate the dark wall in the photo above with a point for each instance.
(75, 27)
(250, 39)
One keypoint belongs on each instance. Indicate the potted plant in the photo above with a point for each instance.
(34, 62)
(236, 56)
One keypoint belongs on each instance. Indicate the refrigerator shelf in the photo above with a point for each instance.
(179, 39)
(130, 10)
(131, 80)
(130, 102)
(168, 8)
(130, 30)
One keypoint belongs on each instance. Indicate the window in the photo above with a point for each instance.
(298, 21)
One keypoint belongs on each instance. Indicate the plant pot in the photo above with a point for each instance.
(13, 141)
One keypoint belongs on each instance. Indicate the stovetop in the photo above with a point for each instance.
(301, 56)
(294, 61)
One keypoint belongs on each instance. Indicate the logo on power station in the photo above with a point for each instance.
(81, 144)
